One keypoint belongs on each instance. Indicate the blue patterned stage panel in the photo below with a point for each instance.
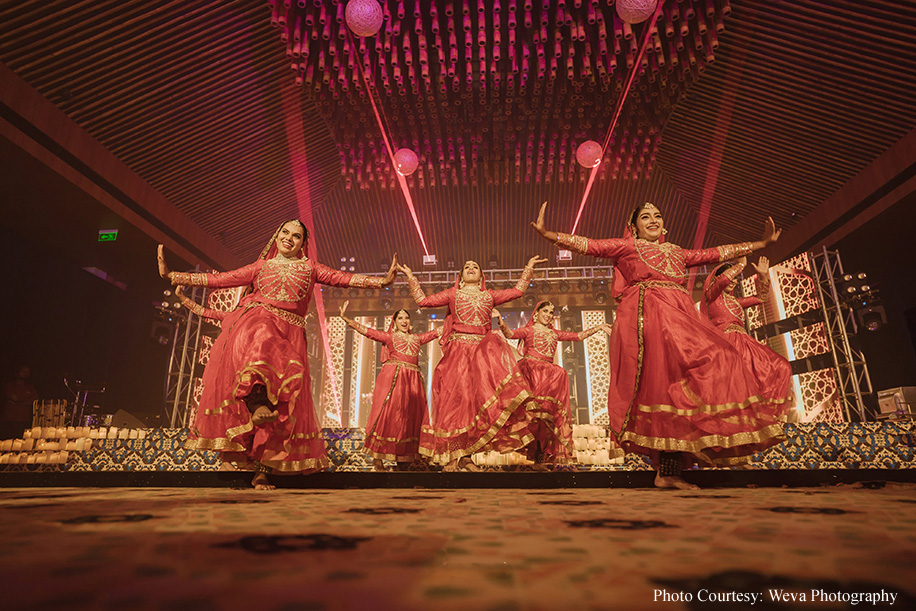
(872, 445)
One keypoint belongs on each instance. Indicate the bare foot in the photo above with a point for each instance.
(260, 482)
(673, 481)
(451, 467)
(378, 465)
(466, 464)
(263, 415)
(539, 466)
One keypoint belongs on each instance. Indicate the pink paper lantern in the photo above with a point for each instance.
(636, 11)
(364, 17)
(589, 153)
(405, 162)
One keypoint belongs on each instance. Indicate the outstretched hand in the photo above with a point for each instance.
(539, 225)
(343, 308)
(163, 268)
(392, 272)
(494, 313)
(535, 260)
(770, 233)
(762, 266)
(405, 270)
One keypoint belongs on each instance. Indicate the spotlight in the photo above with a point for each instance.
(872, 317)
(404, 291)
(352, 259)
(370, 292)
(583, 286)
(429, 260)
(564, 287)
(383, 265)
(493, 262)
(530, 299)
(450, 264)
(386, 303)
(847, 278)
(564, 256)
(353, 293)
(861, 276)
(600, 297)
(352, 268)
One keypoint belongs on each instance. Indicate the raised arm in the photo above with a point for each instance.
(333, 277)
(714, 290)
(416, 291)
(504, 328)
(216, 280)
(762, 268)
(197, 308)
(430, 335)
(608, 249)
(573, 336)
(504, 295)
(360, 328)
(727, 252)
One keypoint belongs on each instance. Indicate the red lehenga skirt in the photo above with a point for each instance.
(551, 418)
(398, 413)
(678, 385)
(479, 401)
(258, 347)
(773, 372)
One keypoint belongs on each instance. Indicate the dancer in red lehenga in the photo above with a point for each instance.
(480, 396)
(679, 391)
(552, 425)
(257, 401)
(399, 408)
(726, 312)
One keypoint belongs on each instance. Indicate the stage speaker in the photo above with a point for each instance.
(897, 402)
(126, 420)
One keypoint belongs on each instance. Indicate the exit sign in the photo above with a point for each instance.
(108, 235)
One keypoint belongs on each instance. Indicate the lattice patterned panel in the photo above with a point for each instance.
(598, 366)
(818, 390)
(753, 315)
(798, 293)
(809, 341)
(224, 300)
(195, 401)
(203, 353)
(333, 380)
(799, 262)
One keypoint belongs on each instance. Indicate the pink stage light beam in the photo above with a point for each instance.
(402, 181)
(618, 109)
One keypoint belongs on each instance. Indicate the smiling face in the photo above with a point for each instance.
(544, 315)
(649, 224)
(290, 239)
(402, 321)
(731, 286)
(470, 273)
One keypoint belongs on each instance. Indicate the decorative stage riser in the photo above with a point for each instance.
(873, 445)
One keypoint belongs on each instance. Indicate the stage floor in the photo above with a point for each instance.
(211, 548)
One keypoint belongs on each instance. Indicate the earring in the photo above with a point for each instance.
(665, 231)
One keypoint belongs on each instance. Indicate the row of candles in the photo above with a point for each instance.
(76, 432)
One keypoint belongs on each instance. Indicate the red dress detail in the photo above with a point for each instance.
(773, 372)
(552, 424)
(263, 342)
(479, 395)
(399, 410)
(677, 385)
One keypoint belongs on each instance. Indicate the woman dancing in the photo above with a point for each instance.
(480, 397)
(256, 404)
(726, 312)
(678, 392)
(399, 408)
(552, 425)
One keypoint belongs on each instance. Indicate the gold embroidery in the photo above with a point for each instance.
(576, 243)
(188, 278)
(663, 257)
(466, 337)
(290, 317)
(363, 281)
(524, 280)
(473, 307)
(639, 358)
(662, 284)
(405, 343)
(733, 306)
(735, 328)
(284, 281)
(415, 290)
(545, 340)
(727, 252)
(697, 447)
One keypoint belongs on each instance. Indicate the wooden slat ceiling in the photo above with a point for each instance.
(188, 94)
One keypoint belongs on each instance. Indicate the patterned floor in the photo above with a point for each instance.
(495, 550)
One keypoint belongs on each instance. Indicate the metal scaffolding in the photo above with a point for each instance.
(851, 369)
(179, 396)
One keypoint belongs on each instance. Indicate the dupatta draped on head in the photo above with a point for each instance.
(619, 283)
(449, 315)
(270, 250)
(523, 346)
(392, 327)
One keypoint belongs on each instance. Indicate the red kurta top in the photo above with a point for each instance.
(402, 347)
(541, 341)
(725, 310)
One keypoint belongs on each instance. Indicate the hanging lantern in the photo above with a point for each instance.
(405, 162)
(588, 154)
(364, 17)
(635, 11)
